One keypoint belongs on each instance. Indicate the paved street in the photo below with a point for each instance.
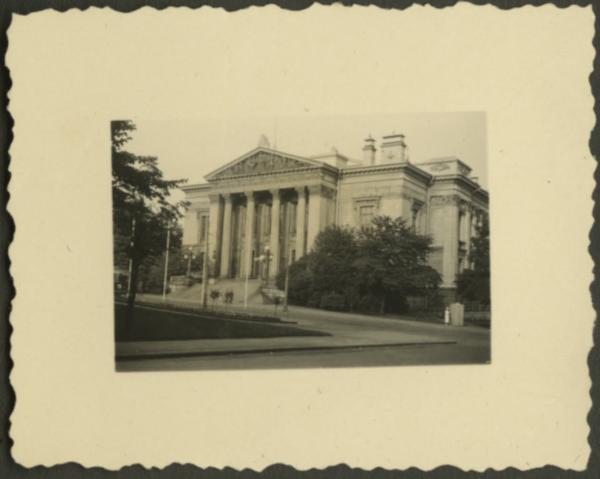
(381, 356)
(356, 340)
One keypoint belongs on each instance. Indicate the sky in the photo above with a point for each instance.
(191, 148)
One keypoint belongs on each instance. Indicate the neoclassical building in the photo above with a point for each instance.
(271, 203)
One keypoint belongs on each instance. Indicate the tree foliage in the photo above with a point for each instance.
(393, 260)
(473, 284)
(142, 207)
(372, 269)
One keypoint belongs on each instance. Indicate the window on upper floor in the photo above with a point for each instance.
(202, 226)
(414, 220)
(365, 214)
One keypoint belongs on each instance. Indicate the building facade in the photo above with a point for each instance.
(270, 203)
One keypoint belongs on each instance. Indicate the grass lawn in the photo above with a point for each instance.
(161, 325)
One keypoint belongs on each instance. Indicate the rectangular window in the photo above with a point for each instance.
(202, 226)
(366, 214)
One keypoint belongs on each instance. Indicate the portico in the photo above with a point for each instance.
(264, 211)
(269, 223)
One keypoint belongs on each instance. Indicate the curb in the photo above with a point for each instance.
(190, 354)
(170, 307)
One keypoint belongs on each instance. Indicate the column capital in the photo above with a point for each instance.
(275, 192)
(445, 200)
(300, 190)
(322, 190)
(249, 195)
(227, 197)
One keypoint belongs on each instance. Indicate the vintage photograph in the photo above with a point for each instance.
(266, 256)
(268, 239)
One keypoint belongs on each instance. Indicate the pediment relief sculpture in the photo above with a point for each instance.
(263, 162)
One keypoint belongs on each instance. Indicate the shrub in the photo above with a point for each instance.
(215, 294)
(314, 301)
(333, 302)
(369, 303)
(301, 281)
(396, 303)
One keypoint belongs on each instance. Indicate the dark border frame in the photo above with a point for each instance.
(8, 467)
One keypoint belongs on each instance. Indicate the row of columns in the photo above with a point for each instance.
(226, 238)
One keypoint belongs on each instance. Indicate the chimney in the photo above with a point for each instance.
(393, 149)
(369, 151)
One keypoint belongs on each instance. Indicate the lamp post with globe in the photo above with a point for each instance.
(189, 256)
(266, 258)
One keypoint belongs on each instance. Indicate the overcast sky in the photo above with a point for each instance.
(191, 148)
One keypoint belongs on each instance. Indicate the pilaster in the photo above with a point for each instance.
(450, 242)
(315, 201)
(300, 222)
(214, 232)
(467, 236)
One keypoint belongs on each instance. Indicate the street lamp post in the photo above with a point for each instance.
(286, 287)
(189, 256)
(246, 285)
(166, 276)
(131, 244)
(267, 258)
(257, 259)
(205, 271)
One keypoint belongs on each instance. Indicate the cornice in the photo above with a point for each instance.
(370, 169)
(267, 174)
(196, 187)
(472, 187)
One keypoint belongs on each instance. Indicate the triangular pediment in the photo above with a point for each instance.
(261, 161)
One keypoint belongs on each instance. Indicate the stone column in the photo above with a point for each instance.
(300, 223)
(450, 242)
(248, 247)
(314, 215)
(214, 233)
(225, 271)
(274, 241)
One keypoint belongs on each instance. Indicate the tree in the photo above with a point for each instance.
(300, 280)
(392, 262)
(333, 271)
(326, 270)
(371, 270)
(473, 284)
(142, 209)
